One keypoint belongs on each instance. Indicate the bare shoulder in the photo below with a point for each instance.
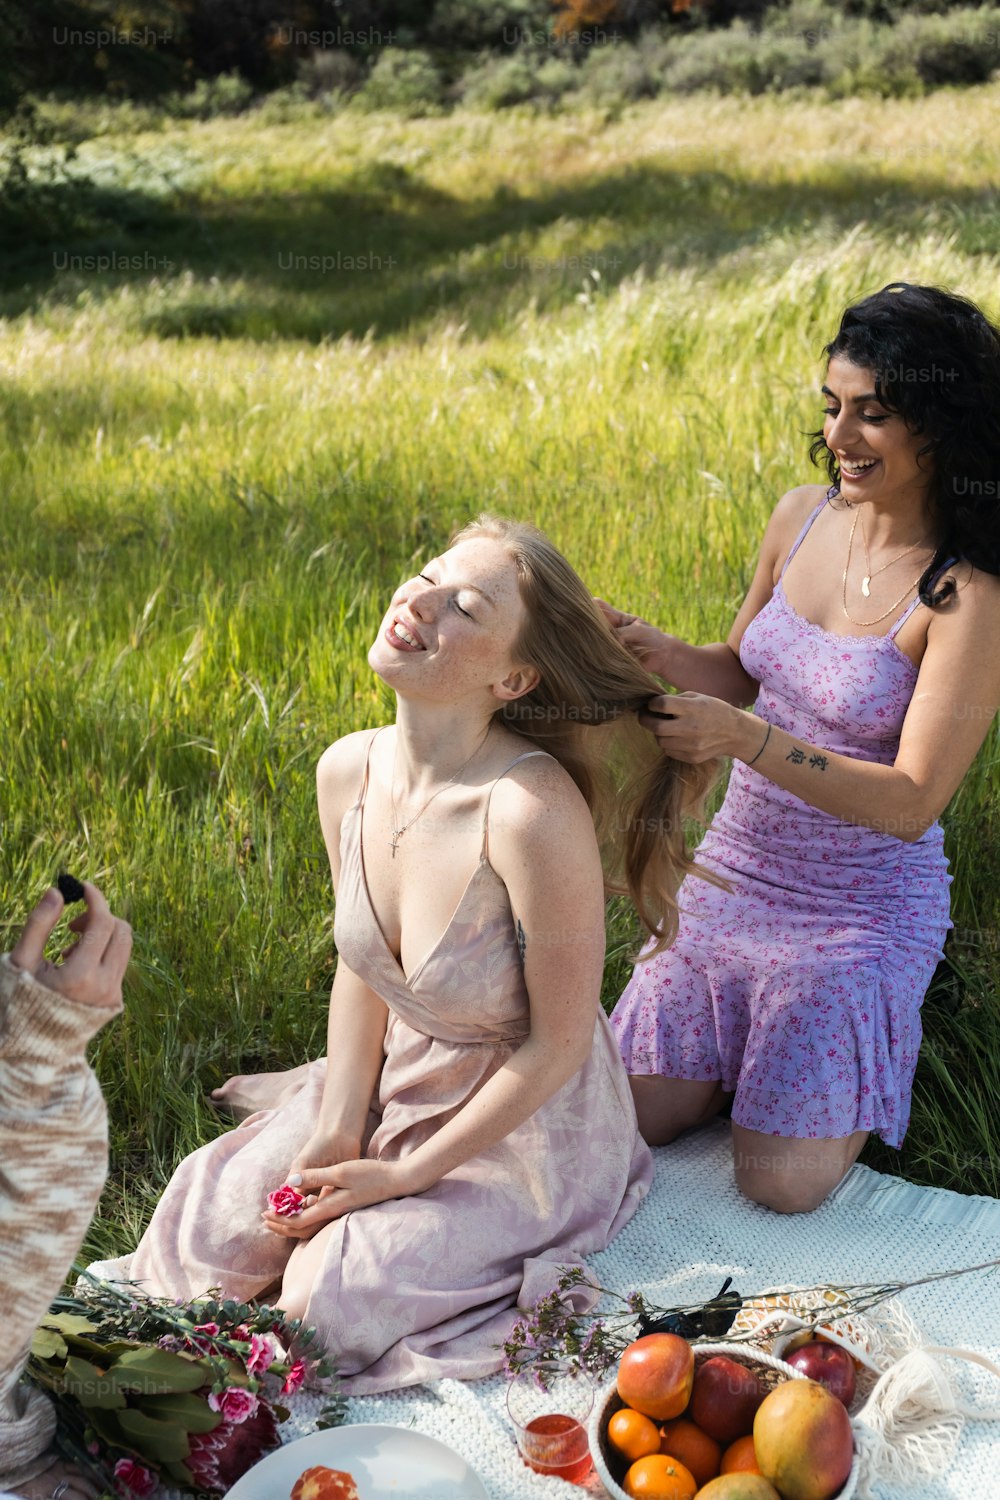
(972, 612)
(341, 766)
(788, 518)
(536, 807)
(795, 506)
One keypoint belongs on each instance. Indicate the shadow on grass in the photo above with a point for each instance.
(386, 251)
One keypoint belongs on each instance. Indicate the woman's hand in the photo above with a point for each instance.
(93, 966)
(334, 1191)
(701, 728)
(324, 1148)
(642, 640)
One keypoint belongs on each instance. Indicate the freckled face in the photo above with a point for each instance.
(876, 451)
(450, 631)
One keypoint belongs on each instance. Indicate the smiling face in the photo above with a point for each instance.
(450, 633)
(876, 451)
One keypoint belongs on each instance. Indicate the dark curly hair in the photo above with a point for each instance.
(936, 358)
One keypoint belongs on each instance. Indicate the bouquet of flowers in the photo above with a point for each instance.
(150, 1392)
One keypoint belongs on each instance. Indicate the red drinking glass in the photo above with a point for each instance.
(549, 1410)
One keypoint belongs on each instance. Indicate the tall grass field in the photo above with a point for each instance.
(283, 362)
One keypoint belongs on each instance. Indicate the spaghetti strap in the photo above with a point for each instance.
(525, 755)
(907, 612)
(801, 536)
(359, 800)
(890, 635)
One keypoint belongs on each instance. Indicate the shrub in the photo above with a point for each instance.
(499, 82)
(474, 24)
(958, 48)
(741, 61)
(405, 81)
(621, 74)
(228, 94)
(330, 71)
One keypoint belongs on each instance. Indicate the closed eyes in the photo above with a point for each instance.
(834, 411)
(454, 601)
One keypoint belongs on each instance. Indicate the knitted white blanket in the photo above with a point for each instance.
(692, 1231)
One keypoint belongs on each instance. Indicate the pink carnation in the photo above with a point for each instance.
(210, 1328)
(286, 1202)
(234, 1403)
(133, 1479)
(294, 1378)
(261, 1355)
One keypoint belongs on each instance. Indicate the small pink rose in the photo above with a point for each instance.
(133, 1479)
(294, 1378)
(261, 1355)
(286, 1202)
(234, 1403)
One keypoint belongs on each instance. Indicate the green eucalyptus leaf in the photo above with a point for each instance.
(156, 1372)
(163, 1442)
(89, 1349)
(47, 1344)
(105, 1425)
(69, 1323)
(191, 1411)
(90, 1385)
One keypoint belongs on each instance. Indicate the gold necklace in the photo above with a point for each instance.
(878, 618)
(398, 831)
(869, 575)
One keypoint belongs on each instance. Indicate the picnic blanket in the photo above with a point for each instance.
(694, 1229)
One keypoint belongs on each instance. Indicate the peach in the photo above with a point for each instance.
(655, 1375)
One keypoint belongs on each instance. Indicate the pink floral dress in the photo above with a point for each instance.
(802, 989)
(420, 1288)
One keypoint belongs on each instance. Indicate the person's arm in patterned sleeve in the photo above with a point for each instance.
(53, 1154)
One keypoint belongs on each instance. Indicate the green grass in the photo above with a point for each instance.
(214, 469)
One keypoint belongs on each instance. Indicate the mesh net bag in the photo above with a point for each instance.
(910, 1408)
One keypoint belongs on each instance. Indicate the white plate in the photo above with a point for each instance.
(388, 1463)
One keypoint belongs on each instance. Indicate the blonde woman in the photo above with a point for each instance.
(472, 1125)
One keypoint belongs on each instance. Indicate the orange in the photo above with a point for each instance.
(682, 1440)
(659, 1477)
(740, 1457)
(633, 1435)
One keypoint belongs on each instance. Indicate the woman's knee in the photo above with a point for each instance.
(791, 1176)
(666, 1107)
(784, 1195)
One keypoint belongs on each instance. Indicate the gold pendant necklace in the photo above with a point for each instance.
(400, 829)
(866, 623)
(866, 582)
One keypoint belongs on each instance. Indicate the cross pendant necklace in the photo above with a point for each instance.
(399, 829)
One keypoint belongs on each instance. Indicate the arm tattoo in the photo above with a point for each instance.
(522, 941)
(797, 758)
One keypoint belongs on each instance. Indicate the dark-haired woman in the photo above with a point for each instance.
(868, 645)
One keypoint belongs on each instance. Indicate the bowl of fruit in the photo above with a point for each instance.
(719, 1422)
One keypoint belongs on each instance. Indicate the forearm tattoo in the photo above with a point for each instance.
(522, 941)
(798, 757)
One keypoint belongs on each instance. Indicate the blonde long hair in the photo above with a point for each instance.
(583, 712)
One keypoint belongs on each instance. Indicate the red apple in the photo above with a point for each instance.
(827, 1363)
(725, 1398)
